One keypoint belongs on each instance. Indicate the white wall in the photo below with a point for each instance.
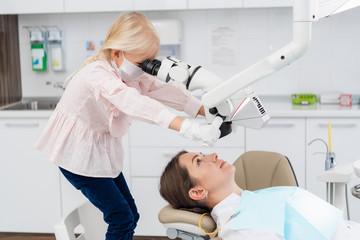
(331, 63)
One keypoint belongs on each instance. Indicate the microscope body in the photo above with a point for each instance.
(243, 108)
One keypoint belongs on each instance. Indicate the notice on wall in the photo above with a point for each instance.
(223, 46)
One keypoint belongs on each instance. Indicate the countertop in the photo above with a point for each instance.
(276, 106)
(281, 106)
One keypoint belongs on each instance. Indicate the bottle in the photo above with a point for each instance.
(38, 51)
(56, 51)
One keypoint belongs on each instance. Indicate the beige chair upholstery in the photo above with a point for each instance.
(254, 170)
(258, 169)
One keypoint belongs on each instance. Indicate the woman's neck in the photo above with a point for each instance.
(216, 197)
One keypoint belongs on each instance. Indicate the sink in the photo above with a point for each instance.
(33, 104)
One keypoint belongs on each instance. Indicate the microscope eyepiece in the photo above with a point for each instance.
(151, 66)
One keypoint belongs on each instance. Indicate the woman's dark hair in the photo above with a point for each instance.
(175, 183)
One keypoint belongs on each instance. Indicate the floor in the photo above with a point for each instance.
(33, 236)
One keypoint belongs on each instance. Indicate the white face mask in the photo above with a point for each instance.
(127, 70)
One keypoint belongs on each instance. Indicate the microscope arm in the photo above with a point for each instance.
(304, 13)
(233, 99)
(267, 66)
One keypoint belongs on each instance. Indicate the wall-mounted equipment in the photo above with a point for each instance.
(38, 48)
(54, 40)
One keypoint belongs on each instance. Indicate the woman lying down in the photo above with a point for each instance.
(193, 180)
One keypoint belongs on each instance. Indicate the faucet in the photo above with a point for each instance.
(58, 85)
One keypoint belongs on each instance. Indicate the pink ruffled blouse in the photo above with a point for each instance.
(84, 133)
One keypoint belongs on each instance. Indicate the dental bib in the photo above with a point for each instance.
(290, 212)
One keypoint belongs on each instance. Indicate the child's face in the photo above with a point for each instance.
(136, 59)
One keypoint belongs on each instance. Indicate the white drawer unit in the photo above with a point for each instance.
(29, 182)
(149, 202)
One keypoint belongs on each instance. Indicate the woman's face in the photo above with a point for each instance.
(209, 171)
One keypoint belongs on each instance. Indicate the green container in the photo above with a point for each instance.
(39, 57)
(304, 98)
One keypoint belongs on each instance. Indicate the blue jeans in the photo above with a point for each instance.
(113, 198)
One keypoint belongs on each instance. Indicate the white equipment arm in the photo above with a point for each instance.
(233, 99)
(304, 13)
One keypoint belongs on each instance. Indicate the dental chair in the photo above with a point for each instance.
(254, 170)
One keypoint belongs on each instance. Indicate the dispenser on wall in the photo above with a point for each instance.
(38, 48)
(55, 48)
(169, 31)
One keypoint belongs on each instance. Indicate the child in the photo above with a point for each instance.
(84, 134)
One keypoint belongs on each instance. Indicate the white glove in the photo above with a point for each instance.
(207, 133)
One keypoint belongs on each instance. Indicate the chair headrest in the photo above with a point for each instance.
(170, 215)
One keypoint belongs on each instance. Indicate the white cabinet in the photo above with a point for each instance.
(97, 6)
(212, 4)
(151, 148)
(33, 6)
(285, 136)
(215, 4)
(29, 182)
(69, 6)
(71, 198)
(345, 138)
(267, 3)
(141, 5)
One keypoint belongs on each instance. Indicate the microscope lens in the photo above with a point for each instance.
(151, 67)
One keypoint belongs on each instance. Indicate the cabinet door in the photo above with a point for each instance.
(285, 136)
(71, 198)
(149, 203)
(159, 5)
(97, 6)
(29, 182)
(33, 6)
(267, 3)
(345, 138)
(208, 4)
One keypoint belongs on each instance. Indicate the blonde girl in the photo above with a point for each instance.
(84, 134)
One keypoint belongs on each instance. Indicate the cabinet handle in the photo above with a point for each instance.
(23, 125)
(281, 125)
(338, 125)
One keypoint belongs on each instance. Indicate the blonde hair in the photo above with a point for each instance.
(133, 33)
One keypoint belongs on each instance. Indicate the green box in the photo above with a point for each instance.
(304, 98)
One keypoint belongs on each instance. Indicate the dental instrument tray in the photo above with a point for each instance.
(304, 98)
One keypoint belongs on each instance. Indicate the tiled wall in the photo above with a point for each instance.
(331, 63)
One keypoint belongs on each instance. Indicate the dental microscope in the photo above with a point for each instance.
(233, 99)
(243, 108)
